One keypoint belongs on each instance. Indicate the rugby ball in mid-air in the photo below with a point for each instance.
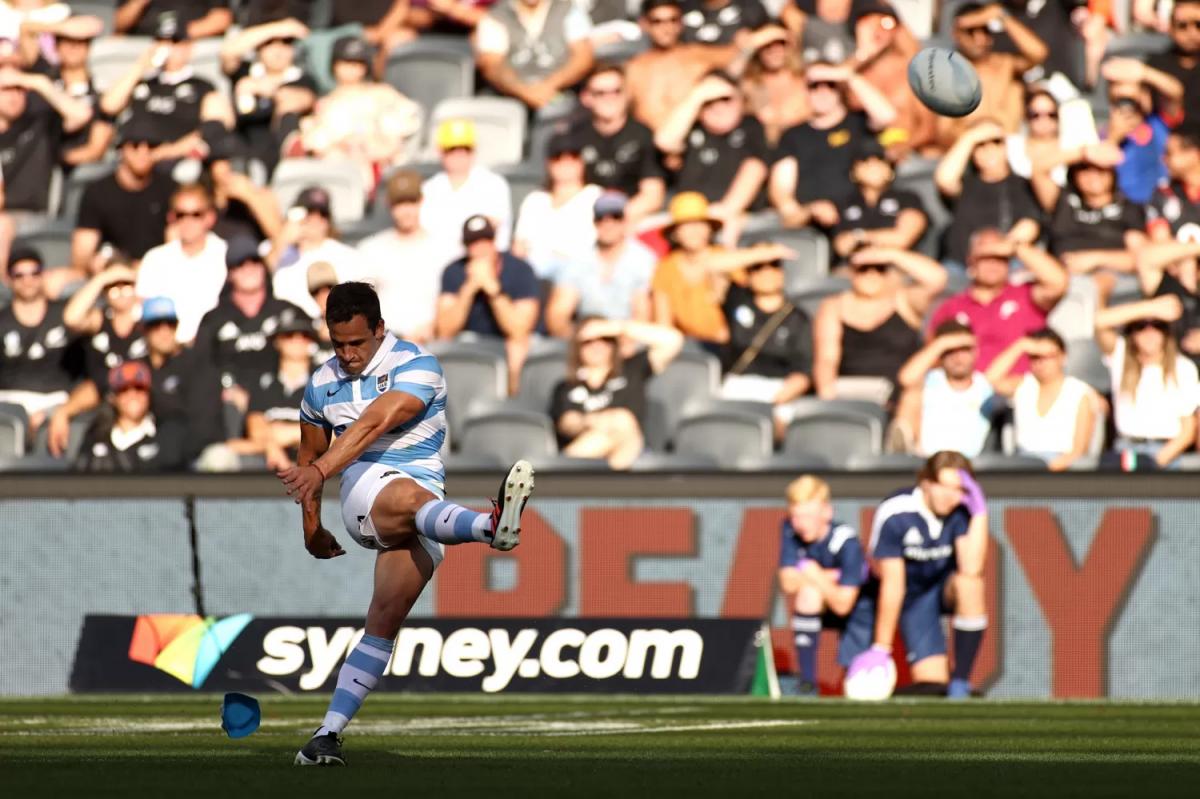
(945, 82)
(871, 685)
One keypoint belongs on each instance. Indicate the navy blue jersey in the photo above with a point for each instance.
(839, 549)
(906, 528)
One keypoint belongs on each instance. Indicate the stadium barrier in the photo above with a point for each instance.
(1091, 579)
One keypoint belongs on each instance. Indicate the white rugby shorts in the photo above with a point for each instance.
(360, 485)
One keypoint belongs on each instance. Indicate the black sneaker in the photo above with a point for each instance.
(321, 750)
(515, 490)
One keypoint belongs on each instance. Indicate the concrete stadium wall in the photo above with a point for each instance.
(1089, 596)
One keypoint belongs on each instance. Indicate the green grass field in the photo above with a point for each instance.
(626, 746)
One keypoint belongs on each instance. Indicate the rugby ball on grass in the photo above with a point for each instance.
(945, 82)
(871, 685)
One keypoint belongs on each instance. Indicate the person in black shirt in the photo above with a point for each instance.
(235, 337)
(273, 423)
(976, 177)
(877, 214)
(111, 331)
(598, 410)
(203, 17)
(1091, 224)
(127, 209)
(618, 151)
(126, 438)
(271, 92)
(717, 149)
(162, 91)
(1181, 62)
(808, 179)
(72, 42)
(34, 115)
(770, 351)
(1174, 210)
(720, 21)
(184, 388)
(39, 358)
(258, 12)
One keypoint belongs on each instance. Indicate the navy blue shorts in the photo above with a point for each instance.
(920, 625)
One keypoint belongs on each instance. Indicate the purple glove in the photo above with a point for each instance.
(874, 658)
(973, 499)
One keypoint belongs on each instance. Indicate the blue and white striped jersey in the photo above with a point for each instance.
(334, 400)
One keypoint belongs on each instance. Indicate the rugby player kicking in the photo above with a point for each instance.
(385, 400)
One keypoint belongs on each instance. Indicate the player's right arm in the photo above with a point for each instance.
(320, 543)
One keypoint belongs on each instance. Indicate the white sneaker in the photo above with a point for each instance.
(515, 490)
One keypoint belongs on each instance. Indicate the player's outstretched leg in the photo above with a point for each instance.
(449, 523)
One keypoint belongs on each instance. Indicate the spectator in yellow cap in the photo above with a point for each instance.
(464, 188)
(690, 282)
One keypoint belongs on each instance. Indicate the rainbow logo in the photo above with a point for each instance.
(185, 646)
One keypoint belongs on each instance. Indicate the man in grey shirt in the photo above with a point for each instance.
(613, 283)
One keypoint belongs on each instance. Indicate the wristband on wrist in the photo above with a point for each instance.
(320, 471)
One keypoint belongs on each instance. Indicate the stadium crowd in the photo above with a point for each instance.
(675, 234)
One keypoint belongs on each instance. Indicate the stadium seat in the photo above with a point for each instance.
(78, 430)
(835, 429)
(431, 69)
(889, 462)
(110, 57)
(1189, 462)
(673, 462)
(34, 464)
(810, 296)
(473, 376)
(233, 420)
(523, 179)
(508, 432)
(565, 463)
(731, 438)
(788, 462)
(999, 462)
(499, 122)
(811, 263)
(916, 176)
(620, 51)
(343, 181)
(12, 436)
(52, 240)
(461, 462)
(251, 463)
(540, 374)
(106, 10)
(1085, 361)
(555, 118)
(692, 376)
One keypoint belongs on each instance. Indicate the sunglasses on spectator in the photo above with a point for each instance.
(179, 213)
(1035, 114)
(613, 216)
(606, 339)
(171, 323)
(673, 19)
(1141, 324)
(822, 84)
(862, 269)
(1126, 103)
(1186, 24)
(288, 40)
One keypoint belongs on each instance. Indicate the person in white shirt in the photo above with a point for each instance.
(405, 263)
(1155, 389)
(555, 226)
(1055, 416)
(308, 236)
(946, 403)
(190, 267)
(463, 189)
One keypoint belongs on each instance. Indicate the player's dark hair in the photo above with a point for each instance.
(348, 300)
(952, 327)
(1046, 334)
(650, 5)
(945, 459)
(968, 8)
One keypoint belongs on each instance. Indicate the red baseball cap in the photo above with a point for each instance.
(131, 374)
